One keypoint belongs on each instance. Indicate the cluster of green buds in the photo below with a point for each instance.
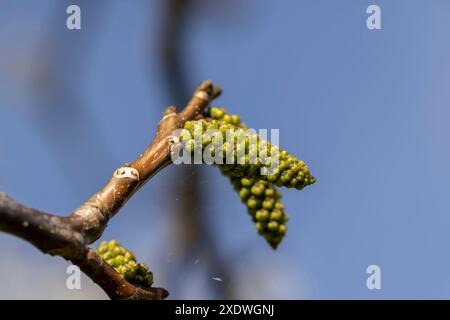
(124, 262)
(225, 140)
(254, 165)
(263, 204)
(288, 171)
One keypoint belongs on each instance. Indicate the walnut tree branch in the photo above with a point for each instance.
(70, 236)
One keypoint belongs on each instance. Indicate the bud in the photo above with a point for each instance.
(276, 215)
(272, 225)
(124, 262)
(262, 215)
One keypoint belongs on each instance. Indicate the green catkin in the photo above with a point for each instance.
(290, 172)
(263, 205)
(124, 262)
(256, 190)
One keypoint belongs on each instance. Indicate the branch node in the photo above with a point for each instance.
(127, 172)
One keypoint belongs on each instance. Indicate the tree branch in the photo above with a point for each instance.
(68, 237)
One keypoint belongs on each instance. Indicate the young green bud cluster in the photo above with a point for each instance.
(255, 166)
(289, 172)
(241, 152)
(263, 204)
(124, 262)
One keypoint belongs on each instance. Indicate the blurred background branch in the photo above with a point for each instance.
(194, 240)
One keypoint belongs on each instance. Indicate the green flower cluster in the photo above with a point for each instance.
(124, 262)
(242, 152)
(267, 212)
(290, 172)
(248, 160)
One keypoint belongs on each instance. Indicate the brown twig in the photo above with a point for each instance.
(70, 236)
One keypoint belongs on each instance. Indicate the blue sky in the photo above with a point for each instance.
(367, 110)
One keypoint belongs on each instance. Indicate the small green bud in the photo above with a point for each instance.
(253, 203)
(257, 190)
(244, 193)
(246, 182)
(268, 204)
(189, 125)
(119, 260)
(235, 120)
(227, 118)
(276, 214)
(270, 192)
(216, 113)
(296, 168)
(285, 178)
(293, 183)
(112, 244)
(116, 251)
(262, 215)
(282, 229)
(272, 225)
(106, 256)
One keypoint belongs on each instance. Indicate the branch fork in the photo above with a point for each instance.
(69, 237)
